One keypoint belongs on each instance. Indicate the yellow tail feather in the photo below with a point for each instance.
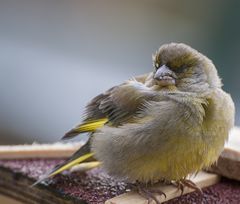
(71, 164)
(88, 126)
(91, 125)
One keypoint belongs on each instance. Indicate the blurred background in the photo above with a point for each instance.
(56, 55)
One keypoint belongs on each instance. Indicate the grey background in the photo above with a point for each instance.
(56, 55)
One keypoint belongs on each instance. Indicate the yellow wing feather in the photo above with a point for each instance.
(91, 125)
(88, 126)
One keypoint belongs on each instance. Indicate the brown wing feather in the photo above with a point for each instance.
(118, 104)
(108, 104)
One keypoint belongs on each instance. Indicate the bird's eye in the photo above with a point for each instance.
(179, 69)
(157, 65)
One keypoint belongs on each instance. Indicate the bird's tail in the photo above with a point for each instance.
(82, 155)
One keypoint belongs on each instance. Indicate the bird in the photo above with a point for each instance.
(161, 126)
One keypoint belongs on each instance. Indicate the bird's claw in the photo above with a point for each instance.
(149, 194)
(182, 183)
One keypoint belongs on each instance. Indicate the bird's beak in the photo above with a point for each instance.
(165, 76)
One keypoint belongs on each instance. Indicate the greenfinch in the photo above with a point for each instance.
(164, 125)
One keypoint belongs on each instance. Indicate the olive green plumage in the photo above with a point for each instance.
(163, 125)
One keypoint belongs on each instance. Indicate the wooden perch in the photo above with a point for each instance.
(56, 150)
(228, 164)
(203, 179)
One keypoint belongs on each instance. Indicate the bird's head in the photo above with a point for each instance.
(184, 68)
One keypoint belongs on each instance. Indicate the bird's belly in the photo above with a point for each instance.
(172, 162)
(173, 159)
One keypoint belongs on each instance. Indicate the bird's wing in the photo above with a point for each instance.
(116, 106)
(104, 104)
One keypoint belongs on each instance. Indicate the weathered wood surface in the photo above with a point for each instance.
(203, 179)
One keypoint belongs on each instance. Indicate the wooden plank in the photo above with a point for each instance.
(5, 199)
(203, 179)
(18, 186)
(228, 164)
(57, 150)
(233, 143)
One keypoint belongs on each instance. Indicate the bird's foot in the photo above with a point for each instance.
(182, 183)
(148, 193)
